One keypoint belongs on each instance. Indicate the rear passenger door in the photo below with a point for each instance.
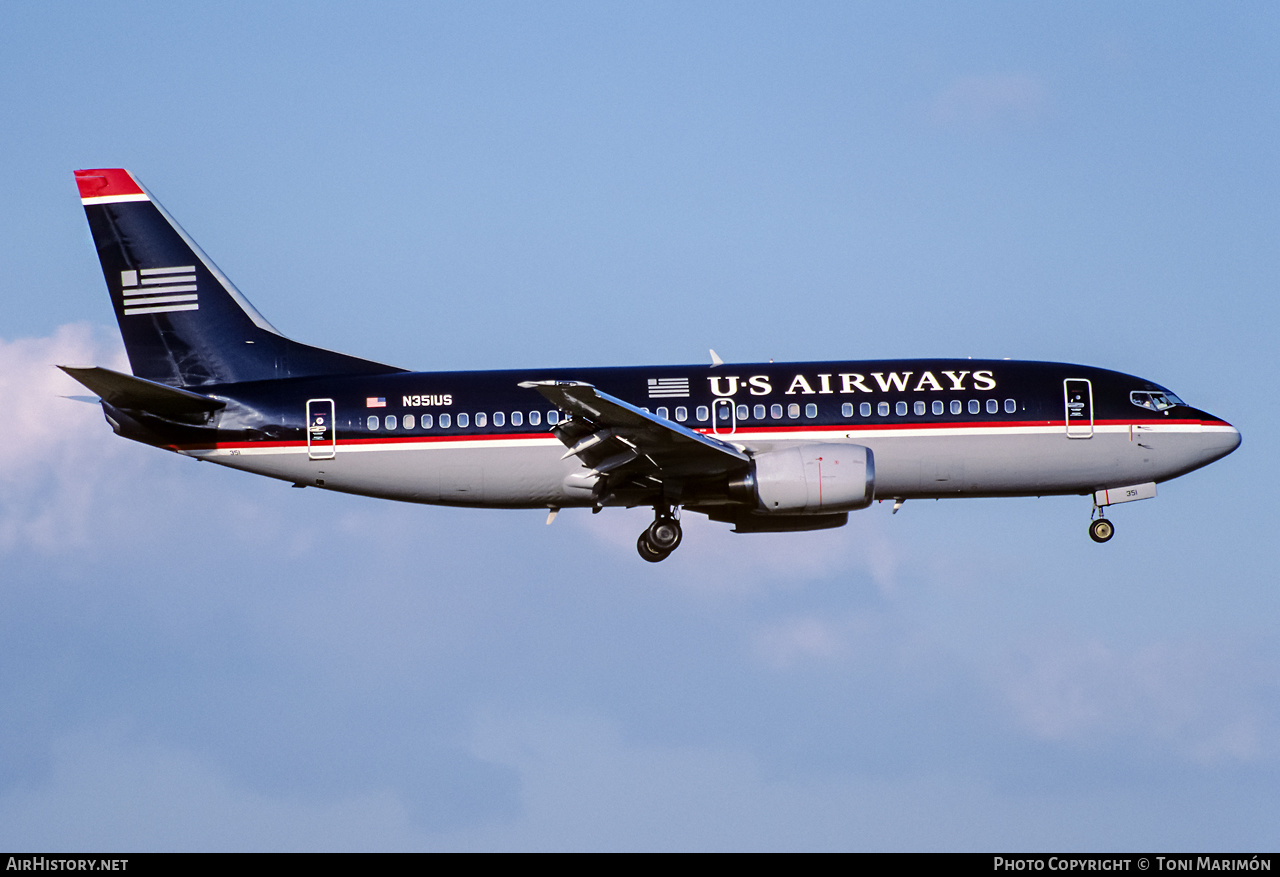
(322, 435)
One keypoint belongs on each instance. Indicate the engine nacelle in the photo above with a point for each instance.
(814, 478)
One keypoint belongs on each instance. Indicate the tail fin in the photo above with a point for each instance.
(183, 322)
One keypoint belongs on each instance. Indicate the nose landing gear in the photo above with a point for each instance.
(661, 538)
(1101, 530)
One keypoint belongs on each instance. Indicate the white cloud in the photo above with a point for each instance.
(990, 100)
(586, 786)
(56, 454)
(1203, 701)
(805, 638)
(583, 787)
(106, 791)
(712, 559)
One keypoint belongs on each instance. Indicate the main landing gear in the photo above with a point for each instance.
(661, 538)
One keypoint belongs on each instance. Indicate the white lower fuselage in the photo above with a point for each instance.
(527, 471)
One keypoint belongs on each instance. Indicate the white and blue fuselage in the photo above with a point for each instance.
(765, 447)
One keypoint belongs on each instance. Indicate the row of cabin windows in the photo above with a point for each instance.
(446, 421)
(920, 408)
(702, 413)
(882, 409)
(792, 411)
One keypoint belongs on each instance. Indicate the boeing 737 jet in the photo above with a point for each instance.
(767, 448)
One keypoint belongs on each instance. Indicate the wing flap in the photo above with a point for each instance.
(611, 436)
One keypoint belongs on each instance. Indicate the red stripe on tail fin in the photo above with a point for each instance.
(106, 182)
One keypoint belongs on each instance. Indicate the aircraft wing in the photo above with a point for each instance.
(615, 438)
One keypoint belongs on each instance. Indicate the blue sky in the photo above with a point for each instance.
(197, 659)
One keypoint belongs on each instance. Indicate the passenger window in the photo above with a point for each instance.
(703, 413)
(426, 421)
(743, 413)
(793, 410)
(682, 414)
(993, 407)
(390, 421)
(975, 407)
(811, 410)
(882, 408)
(553, 417)
(759, 412)
(846, 409)
(920, 408)
(938, 407)
(901, 409)
(865, 409)
(775, 411)
(408, 421)
(517, 418)
(662, 412)
(482, 419)
(445, 421)
(372, 422)
(499, 419)
(535, 418)
(1010, 406)
(463, 421)
(956, 407)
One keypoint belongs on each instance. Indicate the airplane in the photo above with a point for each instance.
(767, 447)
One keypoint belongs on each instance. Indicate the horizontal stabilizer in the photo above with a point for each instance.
(137, 394)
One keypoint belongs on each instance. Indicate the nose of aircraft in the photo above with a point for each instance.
(1218, 438)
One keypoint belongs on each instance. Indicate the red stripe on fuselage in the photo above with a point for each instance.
(777, 430)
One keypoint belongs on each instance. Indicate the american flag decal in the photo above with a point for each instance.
(159, 290)
(375, 402)
(668, 388)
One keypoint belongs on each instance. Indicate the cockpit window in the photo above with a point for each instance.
(1154, 400)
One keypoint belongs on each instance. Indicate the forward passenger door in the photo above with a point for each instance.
(1078, 396)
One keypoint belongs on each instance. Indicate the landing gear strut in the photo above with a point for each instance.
(661, 538)
(1101, 530)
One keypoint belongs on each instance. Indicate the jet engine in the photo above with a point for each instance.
(810, 479)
